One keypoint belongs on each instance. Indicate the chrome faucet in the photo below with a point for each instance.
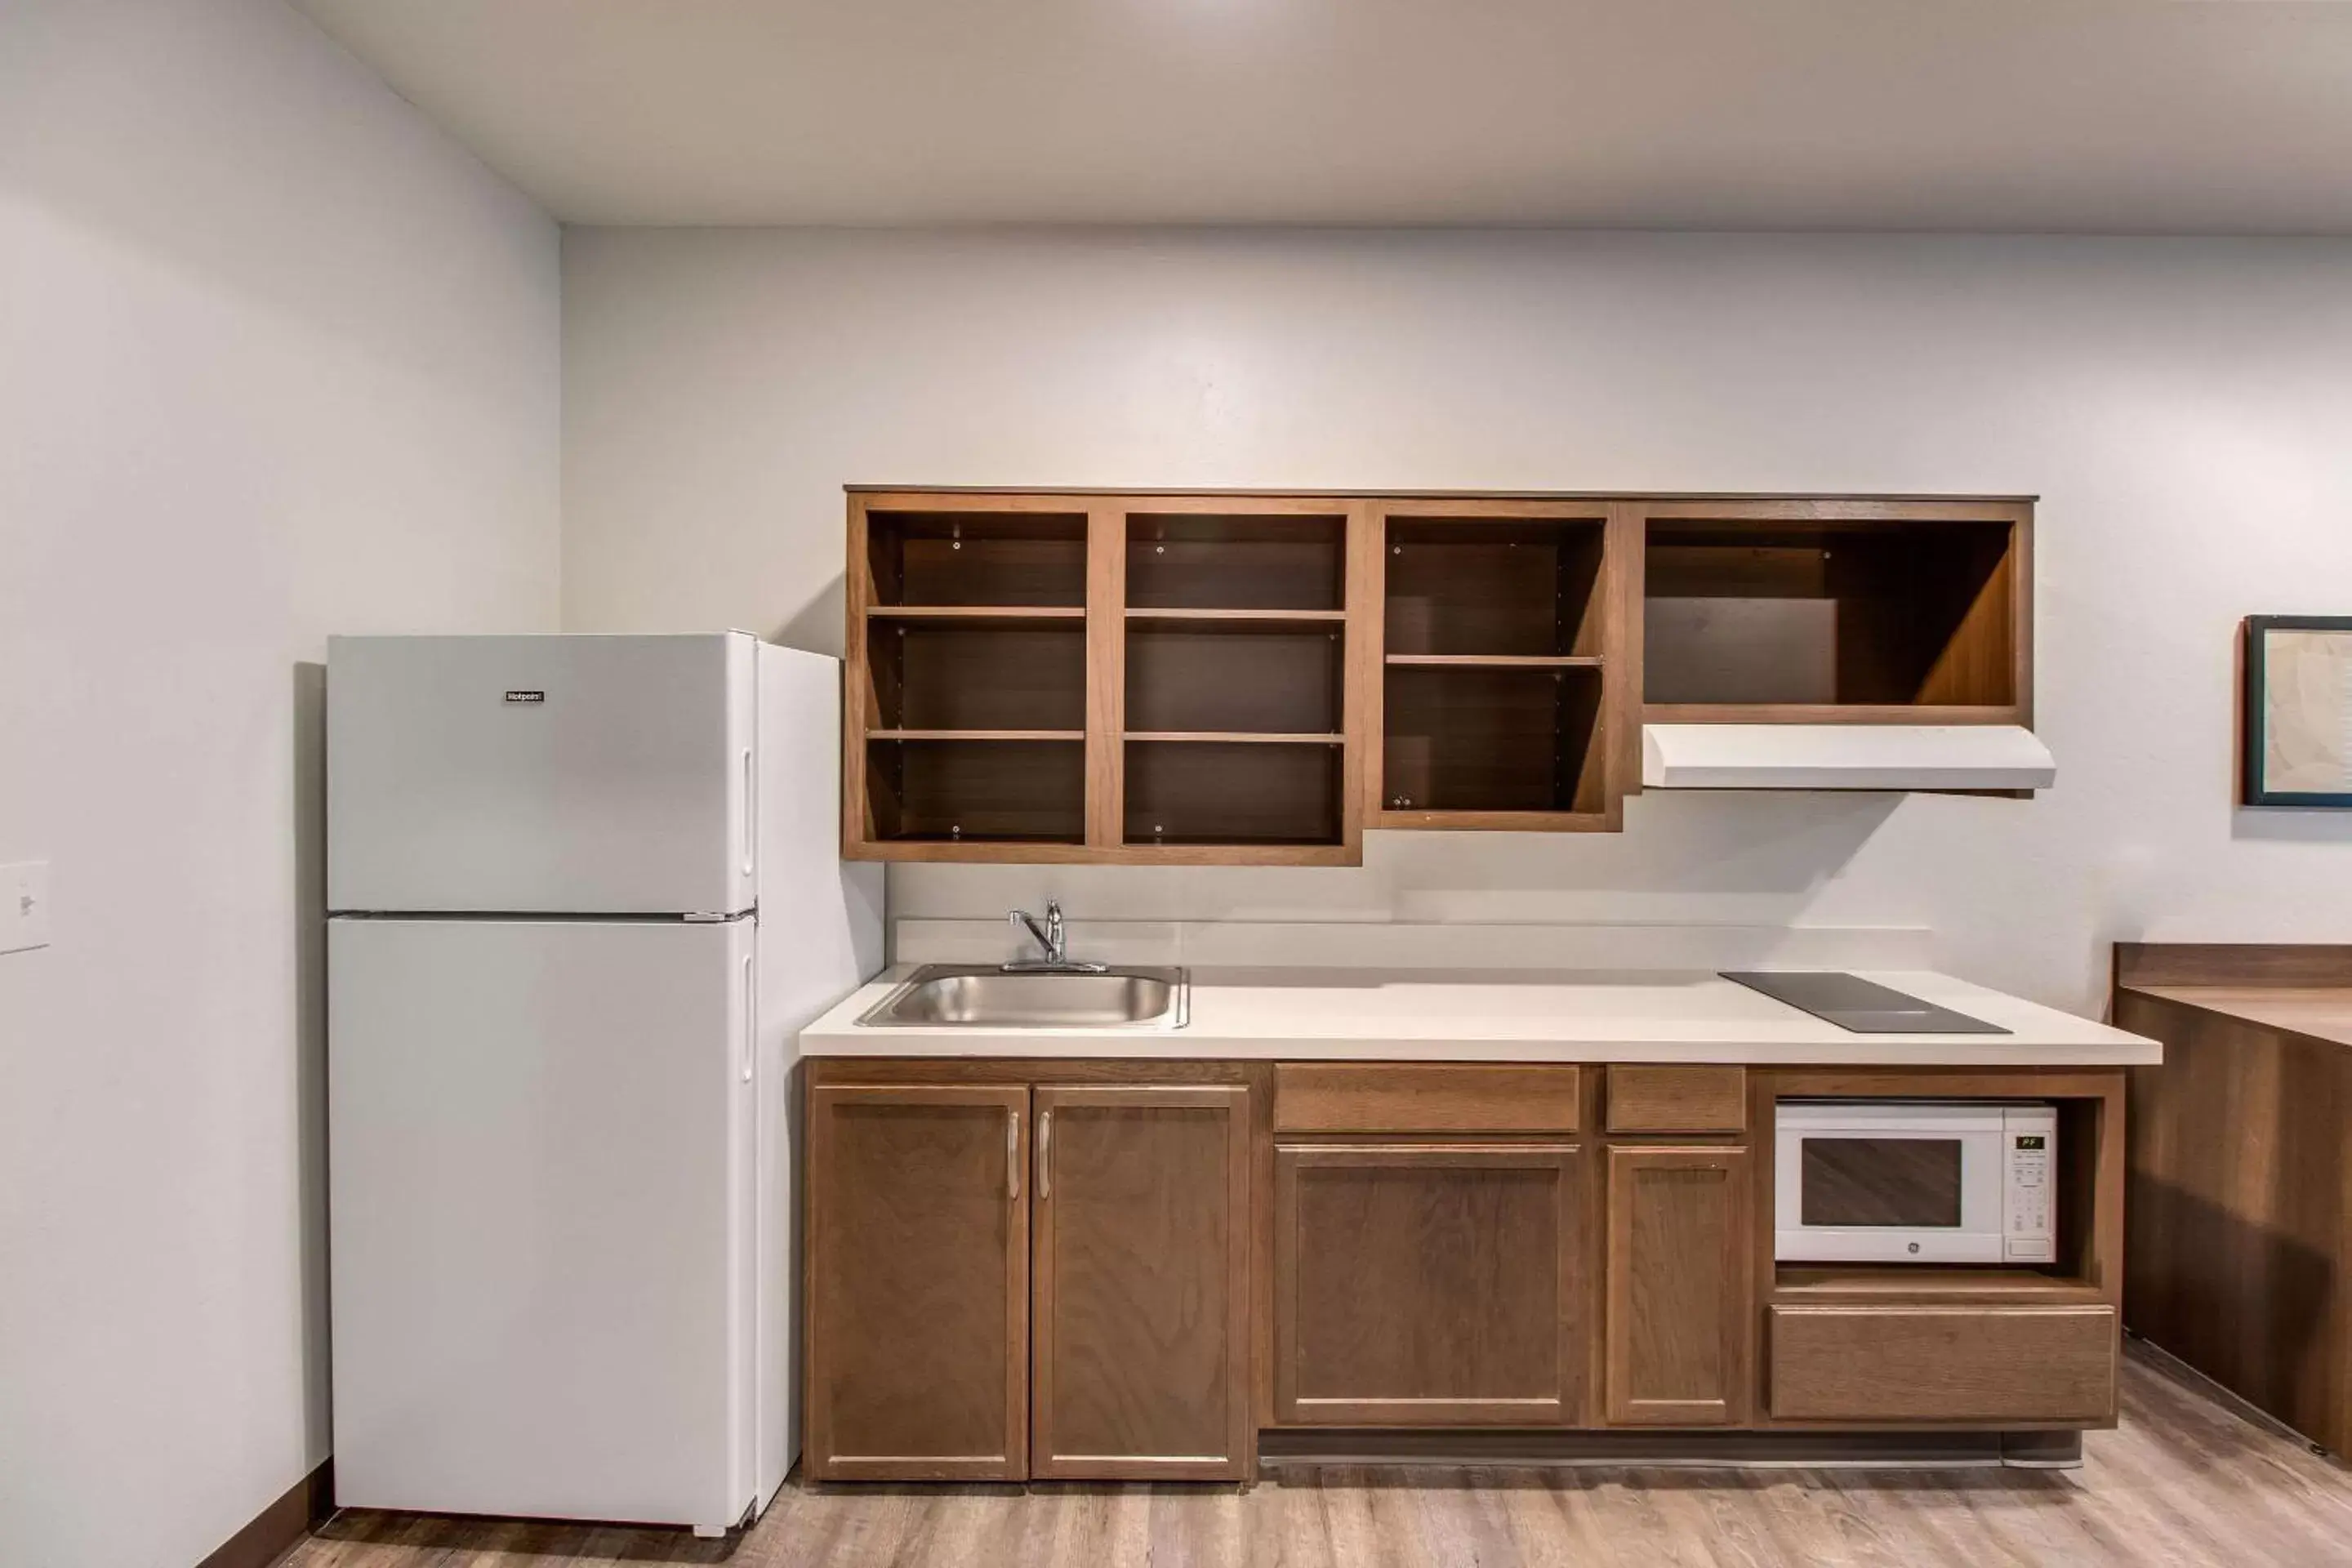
(1052, 940)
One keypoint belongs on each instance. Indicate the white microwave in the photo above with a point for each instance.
(1914, 1180)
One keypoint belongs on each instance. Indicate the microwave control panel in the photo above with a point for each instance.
(2028, 1233)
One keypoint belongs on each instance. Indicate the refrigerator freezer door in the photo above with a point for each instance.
(542, 1212)
(542, 774)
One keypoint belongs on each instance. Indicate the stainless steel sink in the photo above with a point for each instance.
(948, 995)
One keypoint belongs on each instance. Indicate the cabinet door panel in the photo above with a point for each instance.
(1679, 1298)
(1139, 1285)
(1420, 1285)
(918, 1283)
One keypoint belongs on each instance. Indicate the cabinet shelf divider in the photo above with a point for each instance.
(1275, 618)
(976, 612)
(1497, 660)
(975, 734)
(1247, 737)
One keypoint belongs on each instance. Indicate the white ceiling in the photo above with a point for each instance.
(2122, 116)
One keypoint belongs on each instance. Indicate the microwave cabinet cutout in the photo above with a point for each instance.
(2296, 722)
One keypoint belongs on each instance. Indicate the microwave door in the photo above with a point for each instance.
(1920, 1186)
(1879, 1182)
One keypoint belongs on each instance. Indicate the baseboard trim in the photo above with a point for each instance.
(266, 1537)
(1295, 1447)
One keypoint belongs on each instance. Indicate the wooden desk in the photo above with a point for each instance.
(2238, 1252)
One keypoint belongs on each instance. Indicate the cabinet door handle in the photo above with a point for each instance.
(1012, 1153)
(1045, 1154)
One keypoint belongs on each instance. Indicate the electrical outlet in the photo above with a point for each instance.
(24, 906)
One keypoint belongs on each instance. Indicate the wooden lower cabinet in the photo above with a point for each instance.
(1420, 1285)
(1110, 1270)
(1140, 1301)
(1003, 1283)
(1681, 1237)
(918, 1283)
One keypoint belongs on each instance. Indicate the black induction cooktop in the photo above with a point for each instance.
(1859, 1006)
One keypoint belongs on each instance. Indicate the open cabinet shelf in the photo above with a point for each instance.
(1233, 696)
(1495, 708)
(958, 675)
(1237, 563)
(959, 559)
(1204, 790)
(1494, 586)
(1484, 741)
(1900, 612)
(1213, 676)
(973, 790)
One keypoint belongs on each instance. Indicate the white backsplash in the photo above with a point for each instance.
(1408, 945)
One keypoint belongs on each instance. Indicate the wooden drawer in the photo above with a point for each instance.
(1677, 1100)
(1413, 1096)
(1953, 1363)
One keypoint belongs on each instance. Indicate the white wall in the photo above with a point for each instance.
(275, 359)
(2182, 407)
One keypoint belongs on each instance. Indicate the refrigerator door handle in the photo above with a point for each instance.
(751, 1020)
(750, 815)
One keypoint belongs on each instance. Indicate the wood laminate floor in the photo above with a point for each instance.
(2185, 1480)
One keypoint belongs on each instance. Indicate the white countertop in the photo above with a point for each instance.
(1368, 1014)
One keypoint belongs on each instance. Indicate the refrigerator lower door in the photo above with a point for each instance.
(541, 1217)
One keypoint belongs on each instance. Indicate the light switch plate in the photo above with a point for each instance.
(24, 906)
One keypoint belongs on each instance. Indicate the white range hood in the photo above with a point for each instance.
(1845, 756)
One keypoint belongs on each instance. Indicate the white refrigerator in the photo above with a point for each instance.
(585, 892)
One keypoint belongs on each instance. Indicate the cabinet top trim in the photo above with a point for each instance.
(1340, 495)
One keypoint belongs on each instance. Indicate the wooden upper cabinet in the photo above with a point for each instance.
(1430, 1285)
(918, 1283)
(1196, 679)
(1139, 1295)
(1755, 610)
(1227, 647)
(1173, 680)
(1502, 653)
(968, 670)
(1681, 1308)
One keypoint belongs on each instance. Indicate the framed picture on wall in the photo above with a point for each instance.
(2297, 711)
